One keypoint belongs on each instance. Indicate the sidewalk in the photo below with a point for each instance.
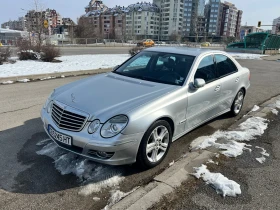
(39, 77)
(259, 183)
(272, 58)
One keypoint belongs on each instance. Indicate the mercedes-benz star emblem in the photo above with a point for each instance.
(73, 97)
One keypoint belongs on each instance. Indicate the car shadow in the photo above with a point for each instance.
(26, 171)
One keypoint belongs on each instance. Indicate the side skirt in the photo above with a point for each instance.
(187, 131)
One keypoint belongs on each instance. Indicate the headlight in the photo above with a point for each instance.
(114, 126)
(93, 127)
(47, 105)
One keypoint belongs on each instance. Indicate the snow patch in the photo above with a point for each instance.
(221, 184)
(231, 147)
(69, 63)
(43, 142)
(93, 176)
(24, 80)
(171, 163)
(249, 56)
(277, 104)
(116, 196)
(211, 161)
(255, 108)
(263, 153)
(97, 187)
(7, 82)
(47, 78)
(274, 111)
(96, 199)
(261, 159)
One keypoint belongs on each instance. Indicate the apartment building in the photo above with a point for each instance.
(142, 21)
(231, 20)
(34, 19)
(15, 24)
(53, 17)
(223, 19)
(106, 23)
(95, 5)
(194, 19)
(276, 24)
(171, 21)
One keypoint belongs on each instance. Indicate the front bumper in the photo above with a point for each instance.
(123, 147)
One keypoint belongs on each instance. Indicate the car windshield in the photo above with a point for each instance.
(161, 67)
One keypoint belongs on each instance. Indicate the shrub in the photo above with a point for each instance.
(5, 53)
(27, 51)
(49, 53)
(135, 50)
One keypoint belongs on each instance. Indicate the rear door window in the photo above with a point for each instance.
(225, 65)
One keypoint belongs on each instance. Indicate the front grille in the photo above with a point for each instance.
(66, 119)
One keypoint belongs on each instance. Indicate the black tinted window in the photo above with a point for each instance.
(225, 66)
(162, 67)
(206, 70)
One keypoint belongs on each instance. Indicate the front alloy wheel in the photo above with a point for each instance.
(237, 103)
(155, 144)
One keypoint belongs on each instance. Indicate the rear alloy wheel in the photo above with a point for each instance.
(155, 144)
(237, 103)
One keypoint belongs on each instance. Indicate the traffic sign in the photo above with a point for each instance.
(46, 24)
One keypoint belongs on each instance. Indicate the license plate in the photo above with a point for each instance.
(60, 137)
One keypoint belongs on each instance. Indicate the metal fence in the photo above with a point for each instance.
(91, 42)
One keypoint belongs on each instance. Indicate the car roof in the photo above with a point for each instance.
(182, 50)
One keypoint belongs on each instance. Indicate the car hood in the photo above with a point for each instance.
(106, 95)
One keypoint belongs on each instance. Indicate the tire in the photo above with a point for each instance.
(159, 147)
(237, 104)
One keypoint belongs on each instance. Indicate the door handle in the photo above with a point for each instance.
(218, 88)
(237, 79)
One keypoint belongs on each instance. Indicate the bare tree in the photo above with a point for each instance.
(174, 37)
(85, 28)
(35, 22)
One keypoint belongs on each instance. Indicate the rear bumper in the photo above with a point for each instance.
(123, 148)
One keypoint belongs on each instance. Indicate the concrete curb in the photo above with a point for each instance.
(145, 197)
(39, 77)
(171, 178)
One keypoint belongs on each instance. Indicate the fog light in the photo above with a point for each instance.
(102, 154)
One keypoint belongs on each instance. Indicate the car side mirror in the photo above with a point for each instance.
(199, 83)
(116, 67)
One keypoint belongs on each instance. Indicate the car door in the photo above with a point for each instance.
(228, 74)
(203, 103)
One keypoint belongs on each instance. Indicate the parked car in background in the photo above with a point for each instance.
(134, 113)
(205, 44)
(146, 43)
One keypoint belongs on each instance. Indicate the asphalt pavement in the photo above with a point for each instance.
(32, 182)
(259, 182)
(93, 50)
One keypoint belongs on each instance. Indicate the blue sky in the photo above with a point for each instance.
(254, 10)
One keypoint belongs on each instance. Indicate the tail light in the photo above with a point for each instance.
(249, 76)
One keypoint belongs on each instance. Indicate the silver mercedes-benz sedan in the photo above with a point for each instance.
(135, 112)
